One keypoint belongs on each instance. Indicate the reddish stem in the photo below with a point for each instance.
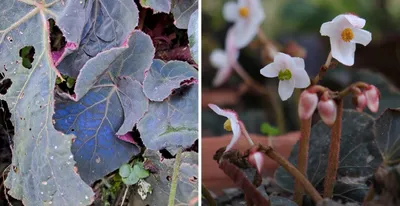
(308, 187)
(334, 150)
(305, 128)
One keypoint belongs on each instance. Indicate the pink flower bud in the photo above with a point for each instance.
(257, 160)
(327, 110)
(372, 94)
(360, 101)
(307, 104)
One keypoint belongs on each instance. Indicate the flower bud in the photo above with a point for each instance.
(257, 160)
(360, 101)
(372, 94)
(327, 110)
(307, 104)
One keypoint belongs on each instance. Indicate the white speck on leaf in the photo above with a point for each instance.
(144, 189)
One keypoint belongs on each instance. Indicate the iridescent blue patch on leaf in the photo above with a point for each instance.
(113, 105)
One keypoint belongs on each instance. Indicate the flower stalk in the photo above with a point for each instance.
(308, 187)
(334, 150)
(305, 128)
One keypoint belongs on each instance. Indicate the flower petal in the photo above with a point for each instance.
(329, 29)
(245, 30)
(362, 36)
(343, 51)
(301, 79)
(233, 118)
(230, 11)
(218, 110)
(284, 60)
(299, 63)
(285, 89)
(354, 20)
(218, 59)
(222, 76)
(230, 47)
(236, 131)
(256, 11)
(271, 70)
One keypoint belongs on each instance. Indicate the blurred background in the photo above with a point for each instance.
(293, 27)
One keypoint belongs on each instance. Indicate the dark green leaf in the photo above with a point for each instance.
(359, 156)
(387, 131)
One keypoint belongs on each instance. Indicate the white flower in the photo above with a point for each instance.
(290, 72)
(344, 32)
(224, 60)
(231, 124)
(247, 16)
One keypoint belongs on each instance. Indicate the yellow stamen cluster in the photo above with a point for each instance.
(347, 35)
(244, 12)
(284, 75)
(227, 125)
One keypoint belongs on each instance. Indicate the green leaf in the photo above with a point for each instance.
(70, 82)
(125, 170)
(58, 80)
(140, 171)
(131, 179)
(269, 130)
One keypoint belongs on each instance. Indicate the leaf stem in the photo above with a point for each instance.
(207, 195)
(172, 193)
(334, 150)
(305, 128)
(309, 188)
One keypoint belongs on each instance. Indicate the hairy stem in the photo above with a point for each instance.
(207, 195)
(324, 68)
(328, 60)
(246, 134)
(334, 150)
(172, 193)
(308, 187)
(305, 128)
